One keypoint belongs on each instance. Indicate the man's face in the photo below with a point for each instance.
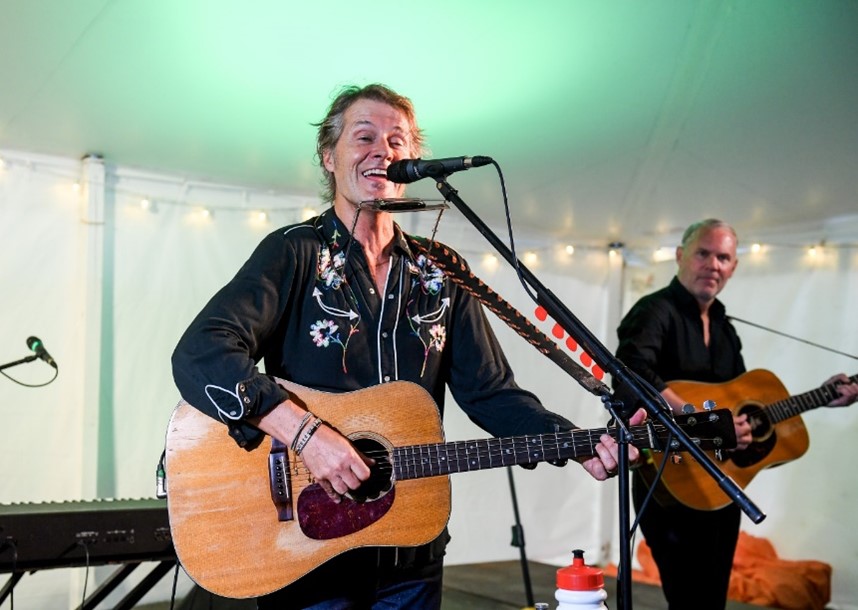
(707, 263)
(374, 136)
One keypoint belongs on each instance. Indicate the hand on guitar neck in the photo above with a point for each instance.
(847, 390)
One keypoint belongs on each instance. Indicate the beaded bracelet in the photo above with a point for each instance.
(307, 435)
(303, 423)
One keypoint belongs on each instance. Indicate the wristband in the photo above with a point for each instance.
(308, 435)
(303, 423)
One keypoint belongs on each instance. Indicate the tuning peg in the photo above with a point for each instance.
(687, 409)
(709, 405)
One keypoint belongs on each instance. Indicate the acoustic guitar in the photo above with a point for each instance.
(779, 434)
(246, 523)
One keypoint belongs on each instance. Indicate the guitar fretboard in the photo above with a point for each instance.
(417, 461)
(795, 405)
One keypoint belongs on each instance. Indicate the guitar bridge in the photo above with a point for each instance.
(280, 480)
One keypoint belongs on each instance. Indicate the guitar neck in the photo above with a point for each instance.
(418, 461)
(795, 405)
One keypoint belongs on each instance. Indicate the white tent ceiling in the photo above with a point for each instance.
(613, 121)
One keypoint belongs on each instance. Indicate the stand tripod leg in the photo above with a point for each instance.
(518, 540)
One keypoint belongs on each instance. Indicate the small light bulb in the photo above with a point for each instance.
(570, 249)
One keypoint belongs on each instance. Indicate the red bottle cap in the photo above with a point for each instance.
(579, 577)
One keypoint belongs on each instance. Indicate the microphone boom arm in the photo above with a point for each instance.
(623, 378)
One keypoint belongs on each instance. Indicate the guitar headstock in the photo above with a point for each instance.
(708, 429)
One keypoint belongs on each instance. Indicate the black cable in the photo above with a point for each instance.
(11, 543)
(799, 339)
(85, 574)
(29, 385)
(175, 581)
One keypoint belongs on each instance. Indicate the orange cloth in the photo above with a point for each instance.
(758, 576)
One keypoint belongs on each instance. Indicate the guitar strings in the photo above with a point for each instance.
(457, 455)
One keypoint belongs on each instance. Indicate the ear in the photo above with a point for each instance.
(328, 159)
(678, 254)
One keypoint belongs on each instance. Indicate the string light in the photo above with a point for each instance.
(490, 261)
(663, 254)
(223, 198)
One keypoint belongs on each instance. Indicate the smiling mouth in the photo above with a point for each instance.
(375, 172)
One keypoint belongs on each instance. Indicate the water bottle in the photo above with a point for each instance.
(579, 586)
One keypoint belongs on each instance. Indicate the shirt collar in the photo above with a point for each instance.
(688, 303)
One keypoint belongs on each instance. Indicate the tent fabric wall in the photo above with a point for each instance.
(98, 430)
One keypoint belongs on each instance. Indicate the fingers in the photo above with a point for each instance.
(335, 464)
(847, 391)
(605, 464)
(744, 433)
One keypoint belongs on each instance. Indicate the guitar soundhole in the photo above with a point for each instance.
(381, 473)
(763, 437)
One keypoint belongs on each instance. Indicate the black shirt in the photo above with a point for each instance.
(306, 305)
(661, 339)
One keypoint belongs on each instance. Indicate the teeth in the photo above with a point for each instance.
(375, 172)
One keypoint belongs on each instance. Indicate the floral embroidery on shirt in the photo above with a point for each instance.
(330, 270)
(437, 337)
(437, 332)
(430, 277)
(325, 333)
(331, 276)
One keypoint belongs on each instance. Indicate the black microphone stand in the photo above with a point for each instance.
(623, 377)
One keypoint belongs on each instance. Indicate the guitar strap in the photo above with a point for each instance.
(456, 269)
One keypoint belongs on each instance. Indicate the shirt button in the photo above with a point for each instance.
(384, 334)
(390, 297)
(372, 290)
(387, 377)
(246, 400)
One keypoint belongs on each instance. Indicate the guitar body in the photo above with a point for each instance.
(224, 523)
(773, 443)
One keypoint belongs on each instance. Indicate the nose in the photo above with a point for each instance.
(383, 150)
(715, 262)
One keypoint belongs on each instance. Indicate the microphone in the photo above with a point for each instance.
(35, 344)
(410, 170)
